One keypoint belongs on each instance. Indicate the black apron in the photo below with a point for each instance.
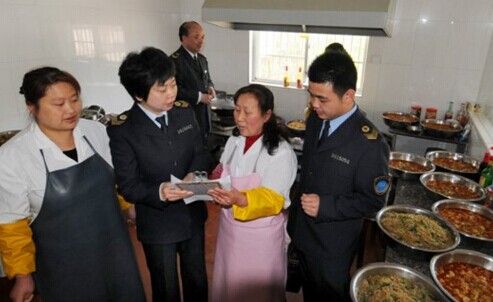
(83, 249)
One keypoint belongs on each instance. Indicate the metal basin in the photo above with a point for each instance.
(428, 128)
(456, 179)
(6, 135)
(414, 250)
(468, 206)
(459, 255)
(380, 268)
(393, 119)
(408, 175)
(297, 127)
(431, 156)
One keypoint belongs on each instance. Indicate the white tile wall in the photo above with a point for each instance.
(437, 52)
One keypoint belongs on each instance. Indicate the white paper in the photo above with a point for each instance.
(225, 183)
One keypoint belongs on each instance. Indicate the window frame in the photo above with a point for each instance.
(254, 42)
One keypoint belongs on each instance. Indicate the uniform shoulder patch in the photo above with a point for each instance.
(382, 184)
(182, 104)
(370, 132)
(119, 119)
(175, 55)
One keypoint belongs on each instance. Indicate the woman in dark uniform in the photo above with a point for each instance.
(61, 223)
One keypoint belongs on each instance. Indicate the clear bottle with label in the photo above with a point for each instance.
(462, 116)
(450, 111)
(299, 79)
(416, 110)
(286, 76)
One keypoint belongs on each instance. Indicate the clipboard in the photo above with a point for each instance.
(198, 187)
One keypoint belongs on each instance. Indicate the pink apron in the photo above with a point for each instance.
(250, 260)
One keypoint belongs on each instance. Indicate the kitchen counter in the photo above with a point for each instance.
(411, 192)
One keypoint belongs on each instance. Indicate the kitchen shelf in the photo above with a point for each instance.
(460, 145)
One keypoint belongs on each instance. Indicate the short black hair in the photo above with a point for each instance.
(37, 81)
(140, 71)
(272, 131)
(335, 68)
(337, 47)
(183, 30)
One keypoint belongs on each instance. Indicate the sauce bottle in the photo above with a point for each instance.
(299, 79)
(450, 112)
(286, 76)
(431, 113)
(489, 197)
(462, 117)
(486, 177)
(416, 110)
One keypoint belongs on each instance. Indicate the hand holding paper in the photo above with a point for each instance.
(199, 189)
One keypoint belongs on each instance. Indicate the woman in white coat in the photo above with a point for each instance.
(61, 227)
(250, 260)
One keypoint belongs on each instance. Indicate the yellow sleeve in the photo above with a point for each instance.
(17, 248)
(262, 202)
(124, 205)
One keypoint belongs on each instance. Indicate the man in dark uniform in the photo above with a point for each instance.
(159, 138)
(192, 73)
(344, 177)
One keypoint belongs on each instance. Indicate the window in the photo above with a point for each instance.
(271, 52)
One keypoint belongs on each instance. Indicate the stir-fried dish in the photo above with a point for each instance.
(391, 287)
(468, 222)
(454, 190)
(406, 165)
(417, 230)
(466, 282)
(297, 125)
(406, 118)
(455, 164)
(441, 127)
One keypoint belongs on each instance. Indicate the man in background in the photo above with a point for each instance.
(192, 74)
(344, 178)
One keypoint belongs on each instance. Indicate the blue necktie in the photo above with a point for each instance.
(325, 132)
(162, 121)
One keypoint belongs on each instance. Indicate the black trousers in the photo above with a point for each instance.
(321, 283)
(162, 263)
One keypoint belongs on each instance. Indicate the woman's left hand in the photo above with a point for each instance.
(228, 198)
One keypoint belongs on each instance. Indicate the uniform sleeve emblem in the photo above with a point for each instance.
(122, 117)
(381, 184)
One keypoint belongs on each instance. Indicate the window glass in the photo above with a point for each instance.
(274, 52)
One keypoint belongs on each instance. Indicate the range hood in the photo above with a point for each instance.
(354, 17)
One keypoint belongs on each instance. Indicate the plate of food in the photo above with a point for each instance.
(441, 185)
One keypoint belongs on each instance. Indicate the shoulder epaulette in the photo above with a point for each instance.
(120, 119)
(182, 104)
(370, 132)
(175, 55)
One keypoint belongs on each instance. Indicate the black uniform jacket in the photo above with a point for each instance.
(342, 171)
(144, 157)
(191, 79)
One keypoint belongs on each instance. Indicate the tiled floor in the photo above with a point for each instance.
(374, 252)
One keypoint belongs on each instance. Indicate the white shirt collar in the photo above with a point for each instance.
(191, 53)
(43, 142)
(152, 116)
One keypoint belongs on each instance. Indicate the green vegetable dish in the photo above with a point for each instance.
(417, 230)
(391, 287)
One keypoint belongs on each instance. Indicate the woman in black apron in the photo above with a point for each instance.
(82, 247)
